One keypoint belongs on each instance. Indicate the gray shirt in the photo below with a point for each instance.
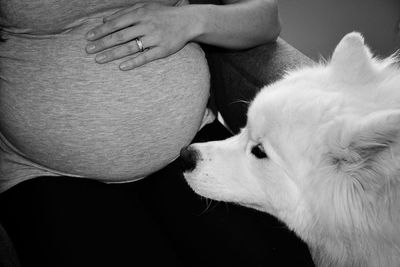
(63, 114)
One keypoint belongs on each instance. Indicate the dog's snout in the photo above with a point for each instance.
(189, 156)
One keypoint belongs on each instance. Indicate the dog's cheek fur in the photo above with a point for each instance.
(282, 195)
(354, 220)
(356, 191)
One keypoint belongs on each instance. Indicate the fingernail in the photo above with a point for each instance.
(101, 58)
(124, 66)
(90, 35)
(90, 47)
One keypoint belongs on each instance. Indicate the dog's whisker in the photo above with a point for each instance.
(226, 206)
(246, 102)
(209, 203)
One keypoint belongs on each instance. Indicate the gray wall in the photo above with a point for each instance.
(315, 26)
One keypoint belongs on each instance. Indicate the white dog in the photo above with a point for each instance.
(321, 152)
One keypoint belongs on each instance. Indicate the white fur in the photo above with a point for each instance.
(332, 135)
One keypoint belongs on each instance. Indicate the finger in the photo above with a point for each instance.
(124, 50)
(142, 58)
(118, 23)
(115, 38)
(122, 12)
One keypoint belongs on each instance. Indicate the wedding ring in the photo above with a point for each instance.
(140, 45)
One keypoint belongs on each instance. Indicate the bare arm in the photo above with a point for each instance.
(237, 25)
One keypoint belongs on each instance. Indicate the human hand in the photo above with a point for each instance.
(163, 30)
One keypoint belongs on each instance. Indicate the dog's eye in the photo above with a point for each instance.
(259, 152)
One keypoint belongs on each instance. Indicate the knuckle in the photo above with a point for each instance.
(111, 25)
(109, 38)
(118, 37)
(131, 47)
(141, 11)
(151, 26)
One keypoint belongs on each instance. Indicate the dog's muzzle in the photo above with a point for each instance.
(189, 157)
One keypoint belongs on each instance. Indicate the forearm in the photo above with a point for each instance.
(238, 25)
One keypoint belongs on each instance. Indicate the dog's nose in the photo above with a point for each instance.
(188, 158)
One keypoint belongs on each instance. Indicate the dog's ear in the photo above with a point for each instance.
(352, 58)
(360, 146)
(364, 150)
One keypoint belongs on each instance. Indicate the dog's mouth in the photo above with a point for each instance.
(212, 195)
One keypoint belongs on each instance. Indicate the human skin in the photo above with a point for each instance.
(164, 30)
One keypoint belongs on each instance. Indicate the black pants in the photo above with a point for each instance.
(158, 221)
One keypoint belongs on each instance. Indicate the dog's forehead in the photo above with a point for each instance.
(291, 109)
(261, 120)
(276, 107)
(266, 121)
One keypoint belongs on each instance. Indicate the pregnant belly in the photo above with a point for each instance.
(65, 112)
